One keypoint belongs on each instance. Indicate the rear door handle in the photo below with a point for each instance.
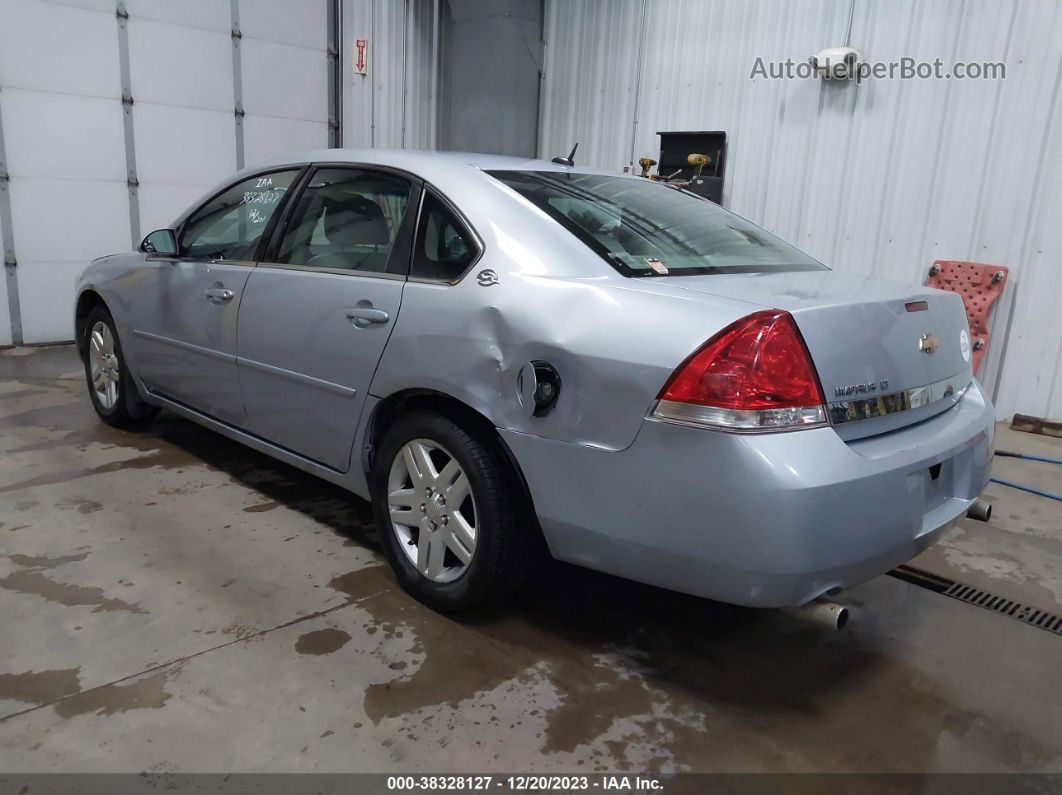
(219, 295)
(361, 316)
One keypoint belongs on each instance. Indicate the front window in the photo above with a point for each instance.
(230, 225)
(644, 228)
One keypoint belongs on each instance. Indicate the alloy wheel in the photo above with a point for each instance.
(432, 510)
(103, 365)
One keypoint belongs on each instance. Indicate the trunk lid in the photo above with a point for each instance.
(864, 338)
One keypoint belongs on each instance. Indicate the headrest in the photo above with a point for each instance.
(355, 220)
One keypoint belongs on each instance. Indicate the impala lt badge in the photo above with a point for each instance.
(868, 388)
(927, 343)
(487, 278)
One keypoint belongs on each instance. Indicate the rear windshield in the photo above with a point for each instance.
(644, 228)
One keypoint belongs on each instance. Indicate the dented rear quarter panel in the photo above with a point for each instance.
(613, 343)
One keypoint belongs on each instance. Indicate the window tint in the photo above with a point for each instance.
(644, 228)
(346, 219)
(443, 250)
(229, 226)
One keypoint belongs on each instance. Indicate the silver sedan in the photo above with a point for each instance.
(511, 357)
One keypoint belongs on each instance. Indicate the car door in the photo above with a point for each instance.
(318, 311)
(185, 307)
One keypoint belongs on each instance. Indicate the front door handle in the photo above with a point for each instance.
(361, 316)
(218, 295)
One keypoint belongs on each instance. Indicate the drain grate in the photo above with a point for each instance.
(1041, 619)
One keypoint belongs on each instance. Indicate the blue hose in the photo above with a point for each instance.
(1029, 457)
(1027, 488)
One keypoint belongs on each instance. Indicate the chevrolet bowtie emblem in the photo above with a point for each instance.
(927, 343)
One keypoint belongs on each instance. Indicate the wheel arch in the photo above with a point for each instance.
(86, 302)
(388, 410)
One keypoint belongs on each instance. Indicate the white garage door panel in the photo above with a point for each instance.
(58, 48)
(58, 220)
(280, 80)
(63, 136)
(208, 14)
(265, 136)
(183, 146)
(304, 23)
(46, 298)
(91, 5)
(177, 65)
(66, 133)
(160, 205)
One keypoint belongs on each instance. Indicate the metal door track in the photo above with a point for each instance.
(1041, 619)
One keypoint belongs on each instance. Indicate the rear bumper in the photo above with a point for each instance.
(764, 520)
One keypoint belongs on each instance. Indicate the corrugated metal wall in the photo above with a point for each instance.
(883, 177)
(394, 105)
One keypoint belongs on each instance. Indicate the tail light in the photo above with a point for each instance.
(754, 375)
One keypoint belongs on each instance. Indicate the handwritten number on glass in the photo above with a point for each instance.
(264, 193)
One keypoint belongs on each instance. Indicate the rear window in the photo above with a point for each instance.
(644, 228)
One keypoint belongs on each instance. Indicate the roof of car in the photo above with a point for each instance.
(424, 162)
(448, 171)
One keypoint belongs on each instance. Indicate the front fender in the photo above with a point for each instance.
(110, 279)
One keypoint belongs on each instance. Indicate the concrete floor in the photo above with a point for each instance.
(170, 601)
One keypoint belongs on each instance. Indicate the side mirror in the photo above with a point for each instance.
(161, 241)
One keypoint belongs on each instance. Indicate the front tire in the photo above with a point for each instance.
(111, 388)
(446, 509)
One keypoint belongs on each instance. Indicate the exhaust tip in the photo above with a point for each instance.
(825, 614)
(980, 511)
(842, 618)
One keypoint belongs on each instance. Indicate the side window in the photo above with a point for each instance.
(230, 225)
(345, 219)
(443, 249)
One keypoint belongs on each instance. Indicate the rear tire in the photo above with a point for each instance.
(476, 546)
(113, 393)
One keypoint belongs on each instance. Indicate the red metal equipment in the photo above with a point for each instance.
(980, 286)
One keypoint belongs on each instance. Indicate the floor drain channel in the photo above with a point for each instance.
(1033, 616)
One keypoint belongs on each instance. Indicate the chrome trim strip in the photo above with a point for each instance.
(188, 346)
(867, 408)
(279, 266)
(320, 383)
(176, 259)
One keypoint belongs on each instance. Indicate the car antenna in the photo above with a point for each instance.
(569, 160)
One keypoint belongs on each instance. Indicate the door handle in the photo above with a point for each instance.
(361, 316)
(218, 295)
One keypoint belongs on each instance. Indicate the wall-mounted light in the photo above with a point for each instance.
(836, 63)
